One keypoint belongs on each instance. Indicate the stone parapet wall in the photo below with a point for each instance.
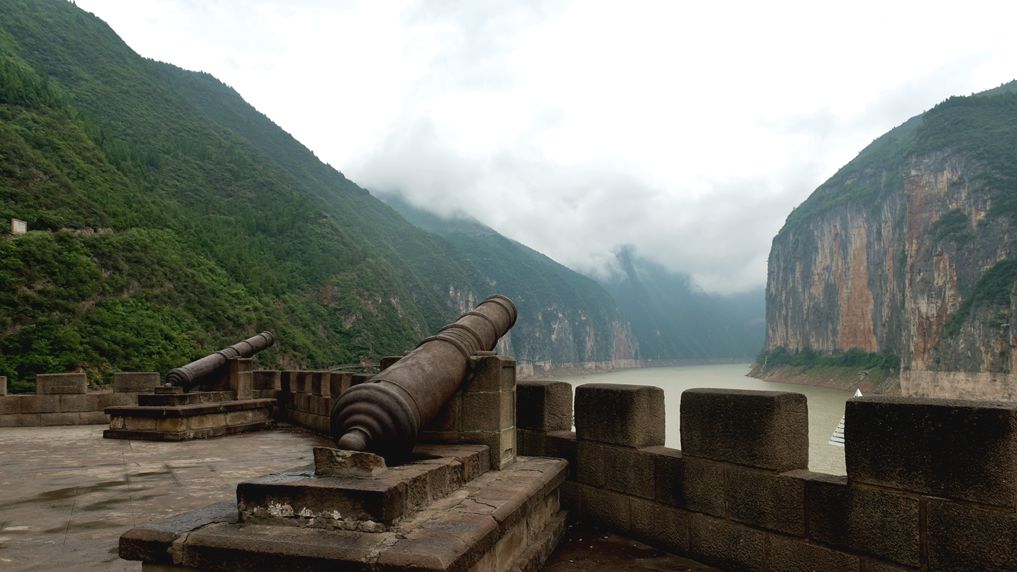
(931, 484)
(67, 409)
(305, 397)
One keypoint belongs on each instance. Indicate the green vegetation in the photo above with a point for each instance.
(993, 290)
(954, 226)
(854, 359)
(169, 218)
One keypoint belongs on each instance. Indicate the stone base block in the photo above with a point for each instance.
(369, 503)
(184, 422)
(56, 383)
(135, 381)
(502, 520)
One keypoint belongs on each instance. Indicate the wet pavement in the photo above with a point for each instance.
(67, 494)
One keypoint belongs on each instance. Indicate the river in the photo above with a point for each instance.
(826, 406)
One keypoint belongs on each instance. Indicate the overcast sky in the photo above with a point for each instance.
(688, 130)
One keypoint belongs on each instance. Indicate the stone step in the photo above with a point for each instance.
(193, 398)
(498, 521)
(196, 421)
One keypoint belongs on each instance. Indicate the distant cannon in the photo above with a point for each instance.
(210, 367)
(384, 414)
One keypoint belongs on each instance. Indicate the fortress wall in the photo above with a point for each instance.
(64, 399)
(931, 484)
(305, 397)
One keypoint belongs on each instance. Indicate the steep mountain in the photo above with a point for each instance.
(674, 321)
(574, 318)
(168, 218)
(906, 256)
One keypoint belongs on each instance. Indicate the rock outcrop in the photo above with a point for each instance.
(909, 250)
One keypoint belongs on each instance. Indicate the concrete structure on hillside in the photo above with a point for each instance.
(18, 227)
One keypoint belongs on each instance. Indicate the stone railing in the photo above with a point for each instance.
(64, 399)
(930, 485)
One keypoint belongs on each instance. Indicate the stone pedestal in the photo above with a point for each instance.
(443, 511)
(482, 411)
(61, 383)
(241, 377)
(172, 416)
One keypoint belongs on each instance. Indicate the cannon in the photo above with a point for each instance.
(209, 367)
(384, 414)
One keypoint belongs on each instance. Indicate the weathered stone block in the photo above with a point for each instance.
(11, 404)
(563, 445)
(3, 385)
(21, 420)
(725, 544)
(544, 405)
(764, 429)
(605, 507)
(798, 555)
(241, 380)
(76, 403)
(55, 383)
(860, 519)
(92, 418)
(54, 419)
(662, 526)
(339, 382)
(40, 403)
(765, 500)
(267, 379)
(964, 537)
(703, 487)
(135, 381)
(329, 462)
(955, 449)
(480, 412)
(627, 415)
(667, 475)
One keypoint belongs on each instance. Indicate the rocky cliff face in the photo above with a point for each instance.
(909, 251)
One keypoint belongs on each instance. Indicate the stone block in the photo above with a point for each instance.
(3, 385)
(764, 429)
(55, 383)
(481, 412)
(629, 471)
(135, 381)
(765, 500)
(339, 382)
(861, 519)
(725, 544)
(329, 462)
(388, 361)
(315, 381)
(703, 489)
(240, 379)
(77, 403)
(491, 374)
(659, 525)
(626, 415)
(358, 378)
(318, 405)
(667, 475)
(266, 379)
(92, 418)
(562, 445)
(955, 449)
(544, 405)
(11, 404)
(606, 507)
(40, 403)
(55, 419)
(591, 463)
(798, 555)
(966, 537)
(21, 420)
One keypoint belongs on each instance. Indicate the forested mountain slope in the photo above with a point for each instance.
(168, 218)
(907, 255)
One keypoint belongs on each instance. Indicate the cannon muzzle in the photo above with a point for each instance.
(384, 414)
(207, 367)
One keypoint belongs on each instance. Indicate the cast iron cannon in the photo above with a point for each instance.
(384, 414)
(210, 366)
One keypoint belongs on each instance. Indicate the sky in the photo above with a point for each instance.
(686, 131)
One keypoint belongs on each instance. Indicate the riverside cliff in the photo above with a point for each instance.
(906, 256)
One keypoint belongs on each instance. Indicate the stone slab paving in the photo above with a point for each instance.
(67, 494)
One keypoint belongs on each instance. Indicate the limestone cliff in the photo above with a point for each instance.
(909, 251)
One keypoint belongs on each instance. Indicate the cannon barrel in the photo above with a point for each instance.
(193, 373)
(384, 414)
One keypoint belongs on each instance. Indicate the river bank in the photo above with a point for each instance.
(869, 381)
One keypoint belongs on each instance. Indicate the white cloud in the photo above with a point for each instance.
(686, 130)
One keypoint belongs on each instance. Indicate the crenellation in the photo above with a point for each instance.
(725, 503)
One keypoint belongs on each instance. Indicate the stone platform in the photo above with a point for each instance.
(164, 416)
(444, 511)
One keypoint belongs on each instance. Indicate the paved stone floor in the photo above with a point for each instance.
(66, 494)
